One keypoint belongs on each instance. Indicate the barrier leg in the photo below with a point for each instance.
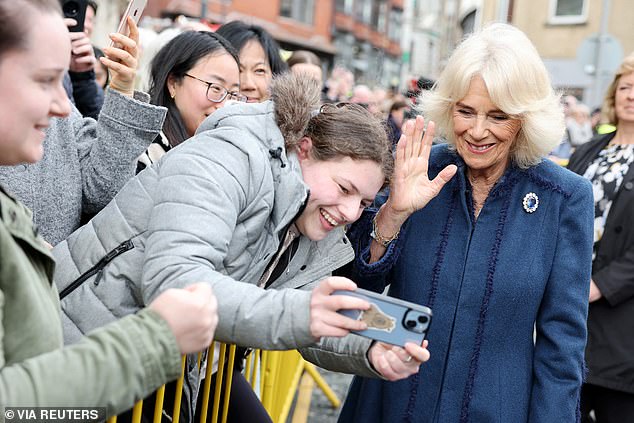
(323, 385)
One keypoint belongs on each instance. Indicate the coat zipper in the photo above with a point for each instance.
(120, 249)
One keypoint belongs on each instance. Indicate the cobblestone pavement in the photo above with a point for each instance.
(321, 410)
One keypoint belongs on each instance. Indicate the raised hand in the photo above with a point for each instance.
(411, 189)
(395, 363)
(191, 313)
(324, 319)
(83, 56)
(122, 59)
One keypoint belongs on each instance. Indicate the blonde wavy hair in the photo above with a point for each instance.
(608, 110)
(518, 84)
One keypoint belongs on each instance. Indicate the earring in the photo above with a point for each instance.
(172, 95)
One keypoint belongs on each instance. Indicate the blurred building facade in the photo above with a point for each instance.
(362, 35)
(581, 41)
(391, 42)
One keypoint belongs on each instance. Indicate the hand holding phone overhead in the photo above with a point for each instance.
(122, 59)
(134, 10)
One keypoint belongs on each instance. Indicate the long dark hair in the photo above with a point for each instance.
(239, 33)
(174, 60)
(14, 21)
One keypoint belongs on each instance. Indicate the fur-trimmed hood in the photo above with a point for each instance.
(295, 97)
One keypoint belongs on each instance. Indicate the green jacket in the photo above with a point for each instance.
(112, 367)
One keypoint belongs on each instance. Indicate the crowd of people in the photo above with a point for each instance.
(230, 202)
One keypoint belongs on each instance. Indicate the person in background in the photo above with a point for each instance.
(89, 20)
(578, 125)
(259, 55)
(111, 367)
(608, 162)
(85, 161)
(595, 120)
(501, 255)
(102, 77)
(80, 83)
(395, 120)
(364, 97)
(339, 85)
(193, 75)
(304, 61)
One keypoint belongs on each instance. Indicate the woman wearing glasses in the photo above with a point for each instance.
(193, 76)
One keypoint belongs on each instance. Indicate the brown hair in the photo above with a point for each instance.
(349, 130)
(341, 130)
(397, 105)
(303, 56)
(14, 18)
(608, 112)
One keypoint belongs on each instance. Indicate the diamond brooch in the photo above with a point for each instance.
(530, 202)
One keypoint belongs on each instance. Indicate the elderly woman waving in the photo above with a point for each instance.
(502, 255)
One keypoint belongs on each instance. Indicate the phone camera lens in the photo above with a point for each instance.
(70, 8)
(410, 323)
(423, 319)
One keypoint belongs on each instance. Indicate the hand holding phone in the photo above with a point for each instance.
(389, 319)
(122, 59)
(134, 10)
(396, 363)
(76, 10)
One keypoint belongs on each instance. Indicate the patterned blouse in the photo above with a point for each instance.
(606, 173)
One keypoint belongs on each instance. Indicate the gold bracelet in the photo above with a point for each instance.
(383, 241)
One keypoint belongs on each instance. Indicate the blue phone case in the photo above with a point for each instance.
(389, 319)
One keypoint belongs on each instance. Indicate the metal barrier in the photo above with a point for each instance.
(274, 375)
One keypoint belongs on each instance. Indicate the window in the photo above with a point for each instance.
(394, 27)
(375, 13)
(344, 6)
(568, 11)
(300, 10)
(363, 11)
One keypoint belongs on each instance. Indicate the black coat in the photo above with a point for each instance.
(610, 349)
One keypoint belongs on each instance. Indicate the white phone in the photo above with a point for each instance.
(134, 10)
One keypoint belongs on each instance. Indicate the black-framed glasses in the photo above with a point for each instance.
(216, 93)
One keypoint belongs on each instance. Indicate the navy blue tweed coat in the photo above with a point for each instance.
(492, 284)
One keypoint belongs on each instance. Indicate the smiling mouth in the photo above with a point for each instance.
(480, 148)
(333, 222)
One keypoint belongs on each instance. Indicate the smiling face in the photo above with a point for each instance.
(339, 191)
(190, 94)
(255, 72)
(31, 90)
(624, 99)
(484, 135)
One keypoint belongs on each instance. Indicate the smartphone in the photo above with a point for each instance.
(389, 319)
(75, 9)
(134, 10)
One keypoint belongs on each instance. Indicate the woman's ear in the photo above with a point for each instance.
(171, 85)
(304, 147)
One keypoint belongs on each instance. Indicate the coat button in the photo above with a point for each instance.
(618, 229)
(303, 267)
(629, 185)
(13, 215)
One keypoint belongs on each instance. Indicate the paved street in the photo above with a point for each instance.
(321, 410)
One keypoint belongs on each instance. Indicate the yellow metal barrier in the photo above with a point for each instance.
(274, 375)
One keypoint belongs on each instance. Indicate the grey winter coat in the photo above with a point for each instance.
(85, 163)
(213, 210)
